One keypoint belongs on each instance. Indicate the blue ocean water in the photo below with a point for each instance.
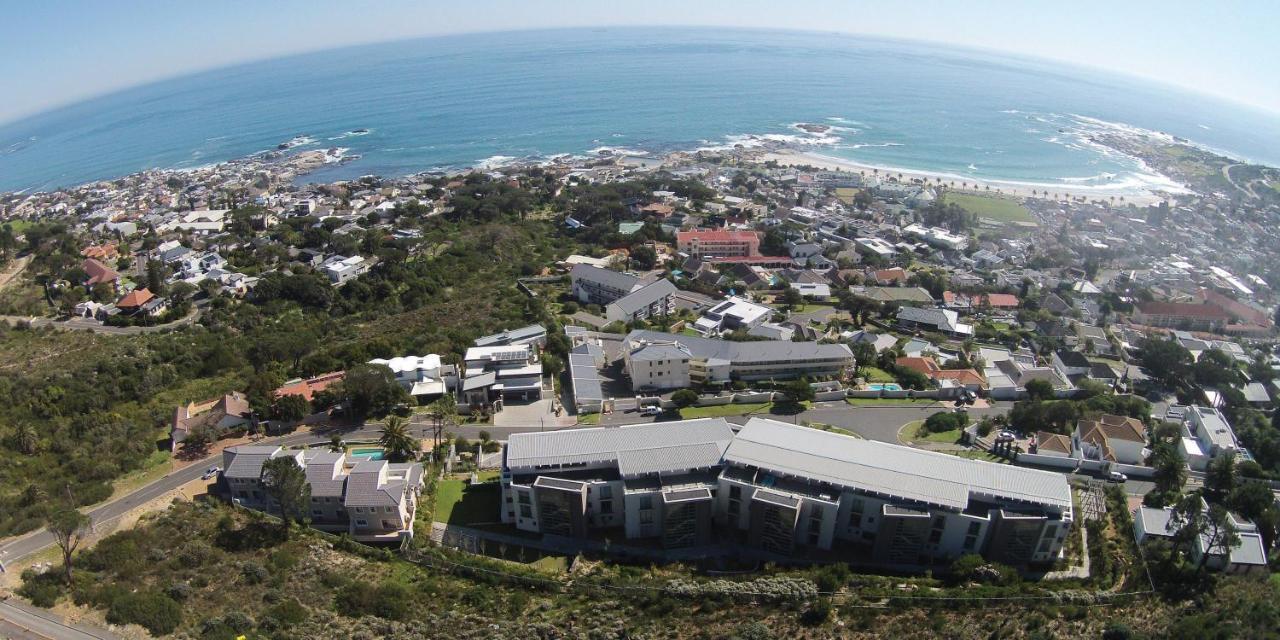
(465, 100)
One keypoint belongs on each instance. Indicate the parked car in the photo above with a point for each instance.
(211, 472)
(1116, 476)
(1005, 436)
(651, 410)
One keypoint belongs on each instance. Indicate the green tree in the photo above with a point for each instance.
(285, 482)
(1040, 390)
(792, 297)
(290, 408)
(1220, 477)
(643, 257)
(372, 390)
(1166, 360)
(444, 414)
(399, 444)
(684, 398)
(69, 527)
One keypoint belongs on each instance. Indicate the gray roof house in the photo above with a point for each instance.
(371, 500)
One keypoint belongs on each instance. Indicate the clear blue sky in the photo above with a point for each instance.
(53, 52)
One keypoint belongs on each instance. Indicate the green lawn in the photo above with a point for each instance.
(942, 437)
(17, 225)
(997, 208)
(891, 402)
(876, 374)
(974, 454)
(690, 332)
(720, 411)
(457, 503)
(822, 426)
(589, 419)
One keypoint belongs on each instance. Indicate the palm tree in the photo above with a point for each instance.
(397, 442)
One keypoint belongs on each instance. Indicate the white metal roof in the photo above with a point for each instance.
(912, 474)
(605, 445)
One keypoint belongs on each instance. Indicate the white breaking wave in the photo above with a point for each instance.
(495, 162)
(617, 151)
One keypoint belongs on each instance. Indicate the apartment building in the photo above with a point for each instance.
(784, 489)
(719, 361)
(1181, 315)
(370, 500)
(1209, 434)
(594, 285)
(649, 301)
(512, 372)
(716, 243)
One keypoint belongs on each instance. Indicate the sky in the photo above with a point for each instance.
(56, 52)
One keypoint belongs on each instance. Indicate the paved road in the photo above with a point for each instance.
(85, 324)
(25, 622)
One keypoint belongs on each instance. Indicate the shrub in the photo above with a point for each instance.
(684, 398)
(41, 593)
(569, 308)
(389, 600)
(154, 611)
(178, 591)
(752, 631)
(253, 572)
(945, 421)
(289, 612)
(817, 613)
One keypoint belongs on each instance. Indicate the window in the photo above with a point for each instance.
(316, 512)
(646, 502)
(1044, 545)
(606, 492)
(735, 492)
(362, 523)
(646, 516)
(974, 527)
(606, 506)
(524, 497)
(526, 511)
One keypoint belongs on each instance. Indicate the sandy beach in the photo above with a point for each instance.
(801, 158)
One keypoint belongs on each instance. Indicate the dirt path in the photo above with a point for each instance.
(15, 269)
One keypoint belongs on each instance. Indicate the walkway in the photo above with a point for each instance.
(20, 620)
(85, 324)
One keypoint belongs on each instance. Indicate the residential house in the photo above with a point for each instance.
(928, 367)
(732, 314)
(1111, 438)
(509, 372)
(308, 388)
(424, 377)
(218, 416)
(943, 321)
(1209, 429)
(1247, 556)
(534, 334)
(141, 302)
(369, 500)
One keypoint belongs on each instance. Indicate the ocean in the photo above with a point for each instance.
(486, 99)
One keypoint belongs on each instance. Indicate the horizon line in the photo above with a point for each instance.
(1264, 110)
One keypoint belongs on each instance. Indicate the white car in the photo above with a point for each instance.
(211, 472)
(1006, 435)
(1116, 476)
(650, 410)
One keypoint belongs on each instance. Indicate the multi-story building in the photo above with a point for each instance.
(649, 301)
(1181, 315)
(594, 285)
(510, 371)
(702, 243)
(711, 361)
(371, 500)
(1211, 433)
(785, 489)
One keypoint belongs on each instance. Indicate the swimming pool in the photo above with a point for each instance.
(368, 454)
(884, 386)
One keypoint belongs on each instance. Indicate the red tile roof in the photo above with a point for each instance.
(98, 272)
(1184, 309)
(717, 235)
(308, 388)
(135, 299)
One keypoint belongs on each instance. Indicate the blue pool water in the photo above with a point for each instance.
(884, 386)
(368, 454)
